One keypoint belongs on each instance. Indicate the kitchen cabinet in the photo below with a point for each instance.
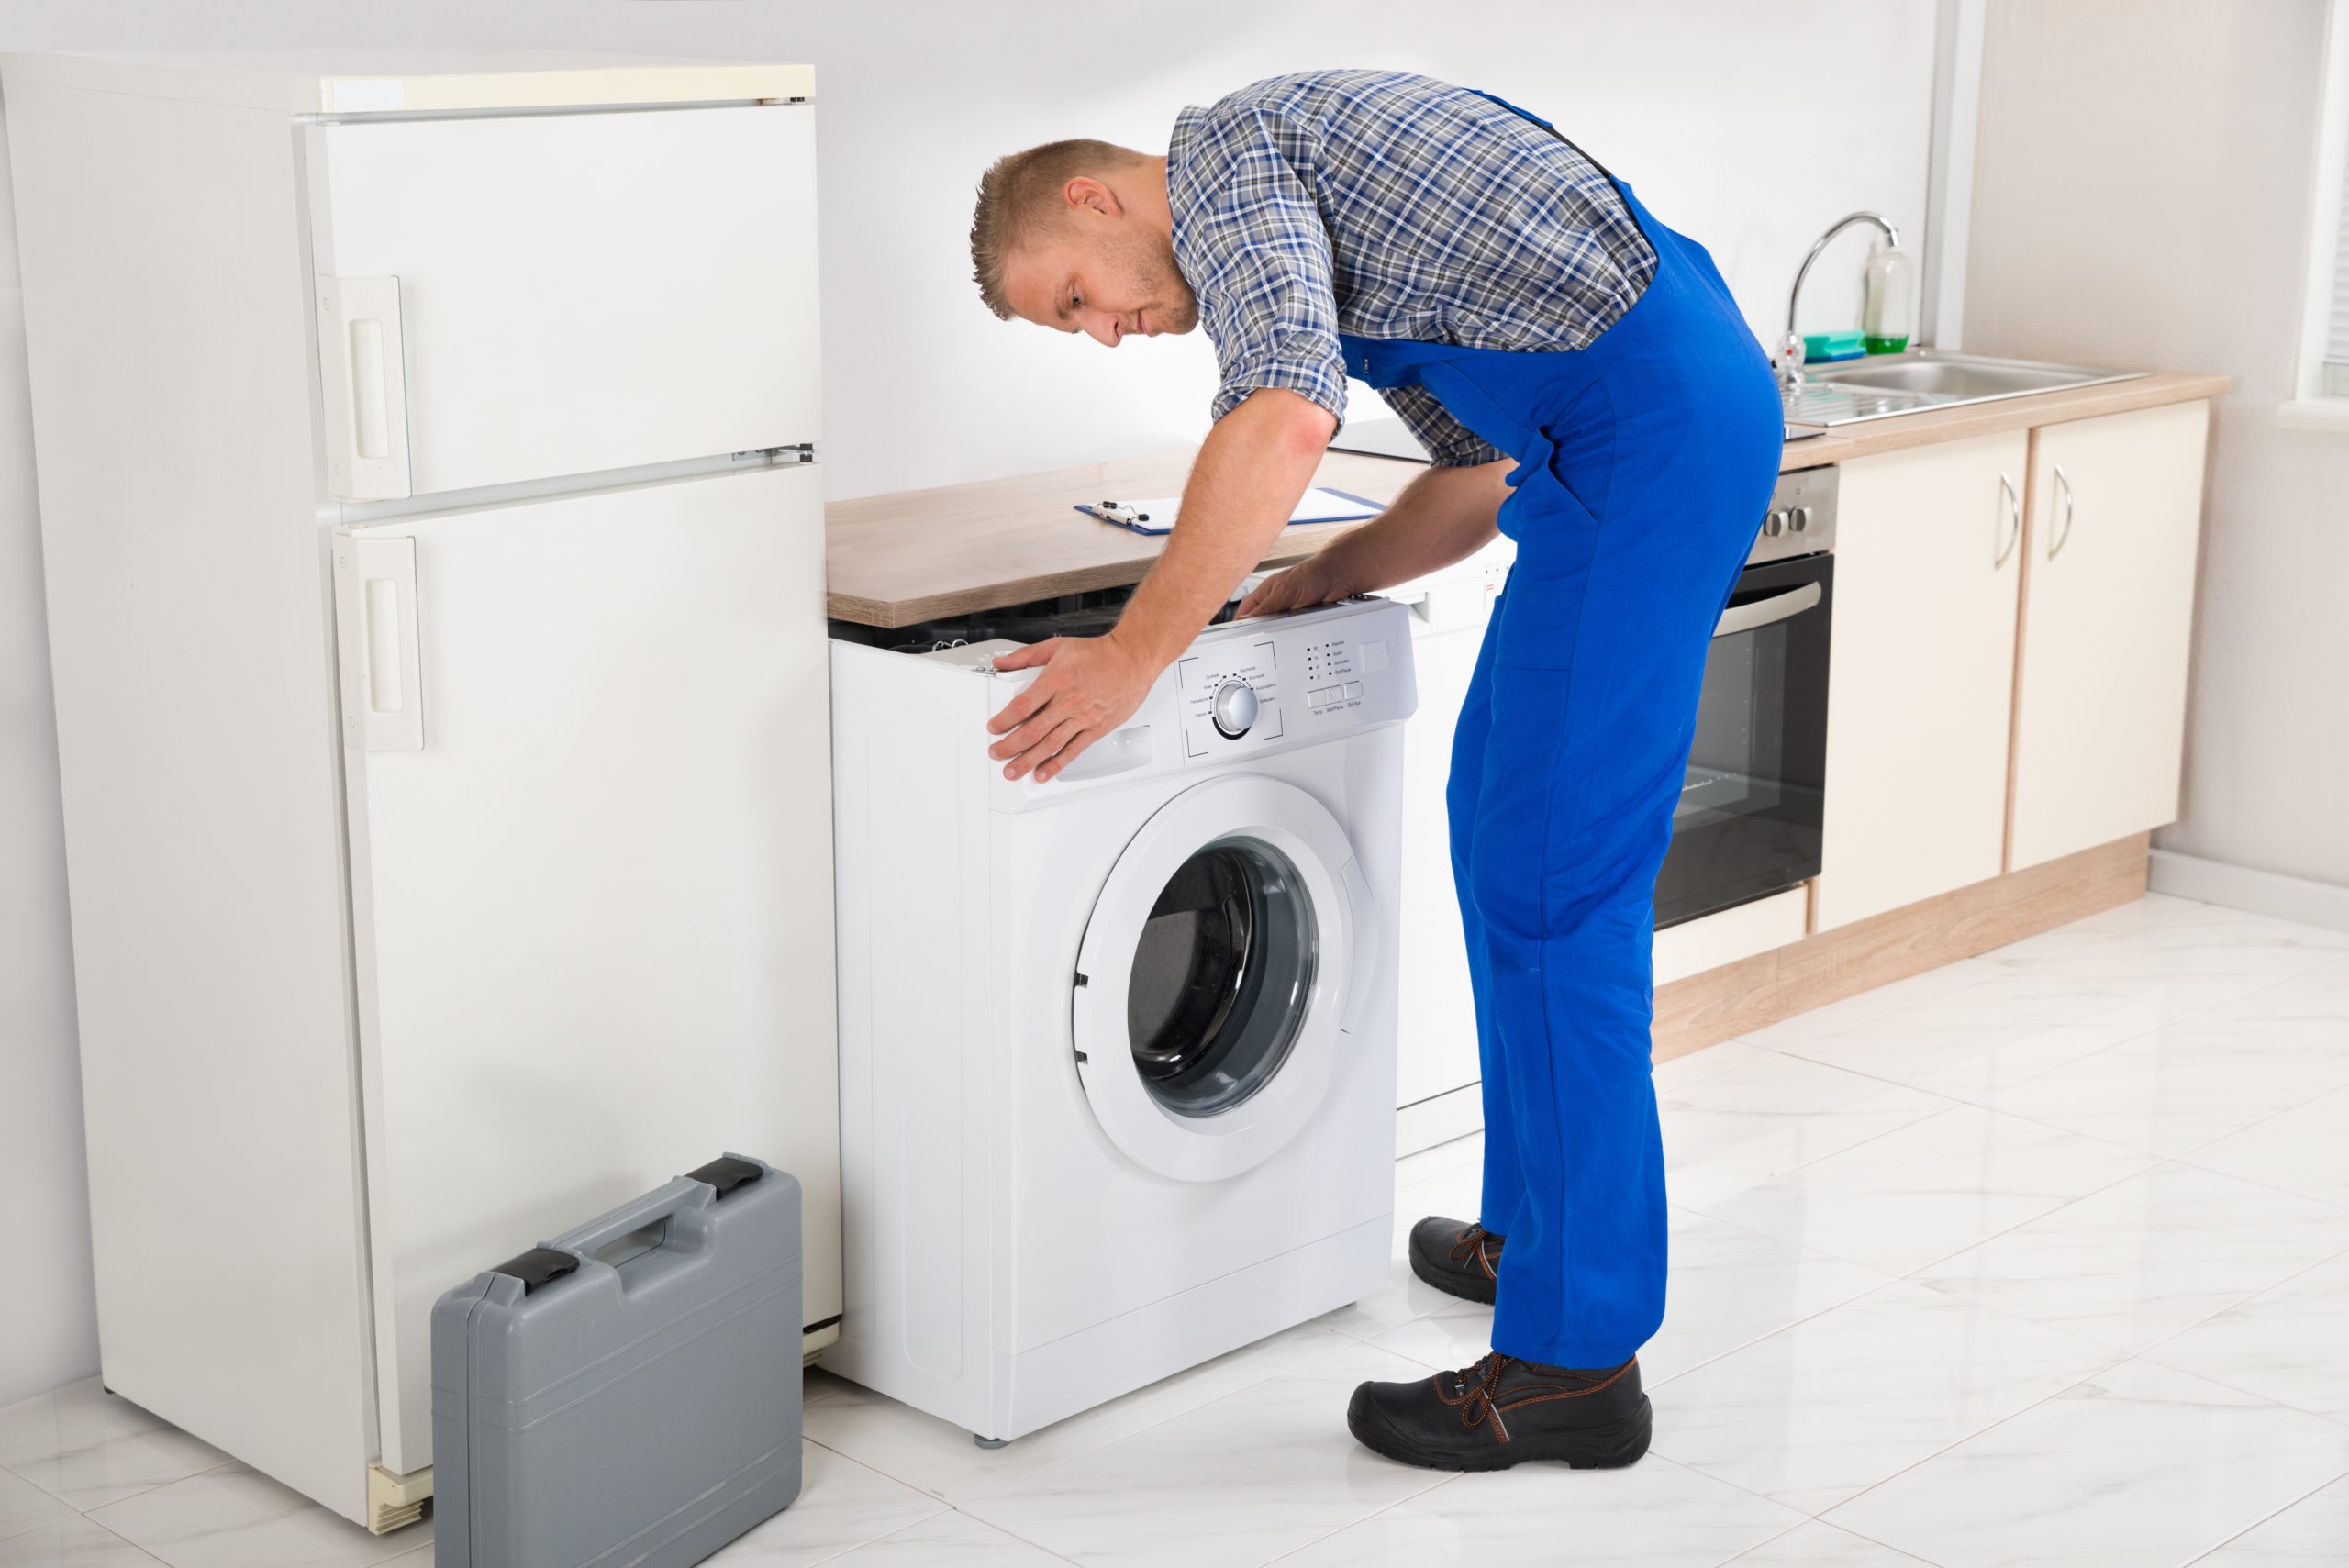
(2108, 597)
(1921, 682)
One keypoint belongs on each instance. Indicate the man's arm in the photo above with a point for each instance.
(1442, 516)
(1250, 471)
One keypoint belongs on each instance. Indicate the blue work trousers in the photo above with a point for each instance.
(1645, 462)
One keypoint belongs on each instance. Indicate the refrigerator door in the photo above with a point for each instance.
(592, 903)
(518, 298)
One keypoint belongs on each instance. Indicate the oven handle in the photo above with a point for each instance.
(1763, 612)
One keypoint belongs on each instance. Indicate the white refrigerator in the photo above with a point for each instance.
(434, 548)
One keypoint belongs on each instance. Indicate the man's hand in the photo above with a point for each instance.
(1090, 686)
(1309, 582)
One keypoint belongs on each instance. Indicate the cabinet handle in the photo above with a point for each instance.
(2063, 489)
(2014, 521)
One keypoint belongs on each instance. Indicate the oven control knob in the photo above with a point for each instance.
(1774, 525)
(1234, 708)
(1802, 518)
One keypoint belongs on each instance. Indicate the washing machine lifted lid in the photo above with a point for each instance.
(1228, 958)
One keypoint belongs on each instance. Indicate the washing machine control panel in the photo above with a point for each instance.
(1253, 682)
(1231, 693)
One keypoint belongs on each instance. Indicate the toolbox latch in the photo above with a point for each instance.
(725, 1173)
(538, 1266)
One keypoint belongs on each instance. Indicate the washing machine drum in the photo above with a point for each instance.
(1226, 956)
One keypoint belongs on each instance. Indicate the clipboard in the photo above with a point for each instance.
(1318, 505)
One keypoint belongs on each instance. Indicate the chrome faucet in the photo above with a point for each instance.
(1790, 348)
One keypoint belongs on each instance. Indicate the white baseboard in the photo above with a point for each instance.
(1438, 1119)
(2257, 892)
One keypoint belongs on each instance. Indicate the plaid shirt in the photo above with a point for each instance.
(1389, 206)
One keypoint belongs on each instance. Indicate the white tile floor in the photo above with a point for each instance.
(2041, 1258)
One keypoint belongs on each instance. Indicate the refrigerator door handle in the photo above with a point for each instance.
(362, 373)
(380, 670)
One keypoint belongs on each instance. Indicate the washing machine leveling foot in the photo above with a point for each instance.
(988, 1443)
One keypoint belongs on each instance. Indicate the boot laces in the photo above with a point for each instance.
(1472, 1244)
(1478, 1387)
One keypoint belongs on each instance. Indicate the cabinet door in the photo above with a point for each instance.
(1927, 554)
(2116, 511)
(541, 296)
(591, 874)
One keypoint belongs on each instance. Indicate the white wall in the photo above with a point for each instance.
(2141, 198)
(1705, 106)
(48, 1325)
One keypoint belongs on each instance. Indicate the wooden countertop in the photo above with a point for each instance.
(918, 555)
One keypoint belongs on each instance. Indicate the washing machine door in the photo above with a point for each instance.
(1230, 955)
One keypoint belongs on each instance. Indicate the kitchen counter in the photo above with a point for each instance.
(918, 555)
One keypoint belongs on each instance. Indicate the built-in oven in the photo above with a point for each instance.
(1751, 806)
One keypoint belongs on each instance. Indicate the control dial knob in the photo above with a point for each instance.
(1234, 708)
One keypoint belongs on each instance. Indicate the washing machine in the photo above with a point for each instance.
(1118, 1050)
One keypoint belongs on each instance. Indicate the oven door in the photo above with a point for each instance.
(1748, 821)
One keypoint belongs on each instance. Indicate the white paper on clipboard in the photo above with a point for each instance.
(1318, 505)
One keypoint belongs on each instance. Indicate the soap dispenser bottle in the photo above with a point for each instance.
(1886, 288)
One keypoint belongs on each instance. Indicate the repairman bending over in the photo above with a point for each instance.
(1586, 386)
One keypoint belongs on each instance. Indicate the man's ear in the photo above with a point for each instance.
(1085, 192)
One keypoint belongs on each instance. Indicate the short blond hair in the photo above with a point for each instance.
(1018, 196)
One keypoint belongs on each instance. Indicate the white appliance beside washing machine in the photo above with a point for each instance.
(1438, 1074)
(1116, 1052)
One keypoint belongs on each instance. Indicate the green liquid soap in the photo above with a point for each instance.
(1885, 345)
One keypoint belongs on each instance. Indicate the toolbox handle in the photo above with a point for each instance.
(696, 1190)
(642, 1215)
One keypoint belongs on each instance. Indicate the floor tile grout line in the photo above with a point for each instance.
(1745, 1552)
(2120, 1358)
(943, 1505)
(158, 1486)
(2190, 1015)
(1910, 1127)
(1805, 1164)
(1862, 1535)
(2199, 1322)
(1194, 1410)
(2215, 1312)
(1986, 1428)
(102, 1525)
(1999, 1235)
(2255, 1524)
(1121, 1437)
(990, 1523)
(2055, 1394)
(1438, 1484)
(2340, 1089)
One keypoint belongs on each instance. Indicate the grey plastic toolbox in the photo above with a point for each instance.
(626, 1394)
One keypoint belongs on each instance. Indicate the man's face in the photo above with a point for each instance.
(1101, 269)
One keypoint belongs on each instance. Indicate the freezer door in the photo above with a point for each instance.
(593, 908)
(532, 296)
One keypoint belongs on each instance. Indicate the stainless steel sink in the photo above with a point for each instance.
(1887, 386)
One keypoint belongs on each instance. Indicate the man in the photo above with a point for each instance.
(1586, 386)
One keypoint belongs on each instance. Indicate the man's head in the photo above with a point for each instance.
(1075, 236)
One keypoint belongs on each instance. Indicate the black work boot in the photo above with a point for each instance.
(1503, 1411)
(1458, 1259)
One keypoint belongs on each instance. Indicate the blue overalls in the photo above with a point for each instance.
(1645, 462)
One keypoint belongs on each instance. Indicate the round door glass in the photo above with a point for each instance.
(1221, 977)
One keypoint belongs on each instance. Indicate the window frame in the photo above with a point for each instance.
(2315, 405)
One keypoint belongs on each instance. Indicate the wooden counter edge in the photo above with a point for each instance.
(1004, 504)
